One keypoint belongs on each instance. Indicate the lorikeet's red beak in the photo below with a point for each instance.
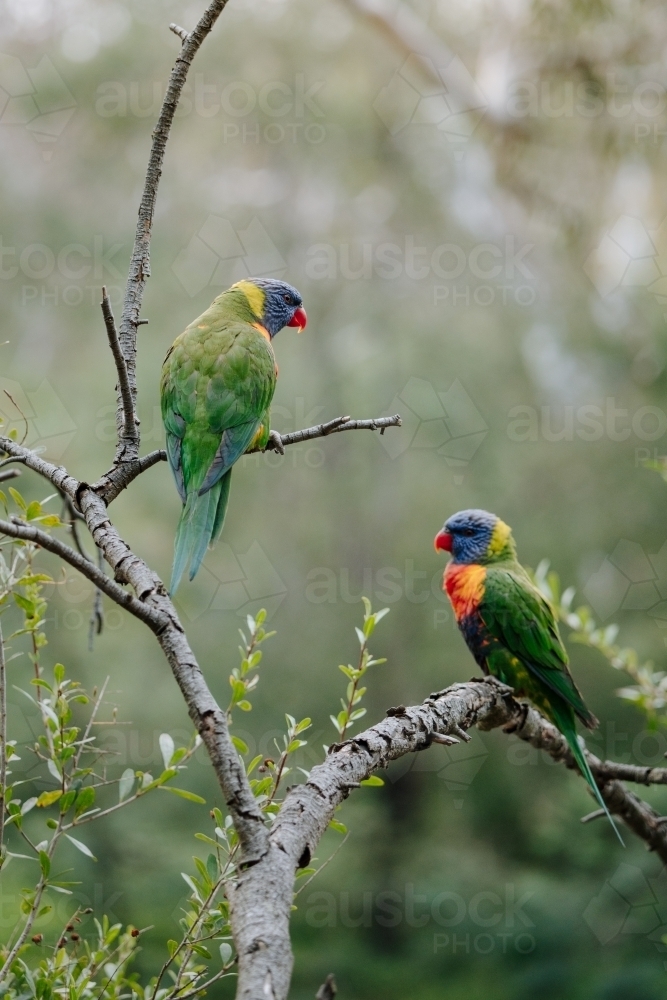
(299, 319)
(443, 542)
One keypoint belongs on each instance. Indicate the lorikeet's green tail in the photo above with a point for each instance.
(200, 524)
(563, 717)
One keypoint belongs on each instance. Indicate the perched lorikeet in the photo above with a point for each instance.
(217, 384)
(509, 627)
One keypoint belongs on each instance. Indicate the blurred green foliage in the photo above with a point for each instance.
(577, 345)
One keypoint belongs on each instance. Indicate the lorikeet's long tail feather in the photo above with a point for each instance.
(200, 524)
(564, 719)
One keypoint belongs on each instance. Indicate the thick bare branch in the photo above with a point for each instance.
(262, 897)
(123, 385)
(139, 272)
(119, 477)
(30, 533)
(154, 607)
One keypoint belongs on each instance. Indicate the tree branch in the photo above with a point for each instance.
(129, 425)
(9, 474)
(262, 896)
(153, 606)
(128, 447)
(119, 477)
(335, 426)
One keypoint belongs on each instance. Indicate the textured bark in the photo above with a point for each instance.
(261, 897)
(157, 611)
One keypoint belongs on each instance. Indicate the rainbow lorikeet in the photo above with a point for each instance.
(509, 627)
(217, 383)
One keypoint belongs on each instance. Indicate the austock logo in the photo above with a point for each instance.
(630, 255)
(37, 99)
(40, 416)
(447, 423)
(630, 903)
(218, 255)
(238, 582)
(419, 94)
(456, 766)
(630, 580)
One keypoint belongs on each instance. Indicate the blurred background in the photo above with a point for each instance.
(470, 198)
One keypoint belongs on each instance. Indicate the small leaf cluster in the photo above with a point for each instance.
(353, 693)
(649, 692)
(240, 681)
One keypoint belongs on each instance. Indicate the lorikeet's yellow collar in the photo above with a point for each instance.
(255, 295)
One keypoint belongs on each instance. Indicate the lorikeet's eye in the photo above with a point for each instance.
(288, 299)
(468, 532)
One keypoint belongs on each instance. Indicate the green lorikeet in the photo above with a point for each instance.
(216, 388)
(509, 627)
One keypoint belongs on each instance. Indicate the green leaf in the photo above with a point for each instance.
(240, 745)
(84, 800)
(81, 847)
(172, 946)
(305, 871)
(253, 763)
(67, 801)
(245, 706)
(212, 867)
(39, 682)
(190, 796)
(201, 950)
(51, 521)
(167, 748)
(48, 798)
(59, 673)
(304, 724)
(226, 952)
(335, 825)
(33, 510)
(17, 498)
(238, 688)
(44, 863)
(206, 840)
(126, 784)
(373, 781)
(295, 744)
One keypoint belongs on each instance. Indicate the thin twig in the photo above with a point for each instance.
(140, 263)
(182, 34)
(129, 427)
(335, 426)
(9, 474)
(120, 476)
(96, 623)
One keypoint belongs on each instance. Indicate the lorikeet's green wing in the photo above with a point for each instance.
(517, 615)
(218, 380)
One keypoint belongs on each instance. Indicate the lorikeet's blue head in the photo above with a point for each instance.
(275, 303)
(476, 536)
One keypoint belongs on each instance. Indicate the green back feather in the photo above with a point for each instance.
(217, 384)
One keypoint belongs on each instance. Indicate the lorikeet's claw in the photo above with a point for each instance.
(275, 443)
(518, 723)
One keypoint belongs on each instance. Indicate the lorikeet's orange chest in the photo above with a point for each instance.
(465, 588)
